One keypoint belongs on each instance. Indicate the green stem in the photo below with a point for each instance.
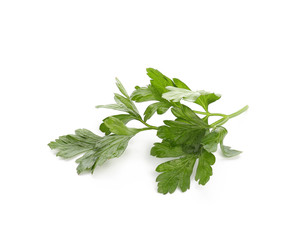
(210, 114)
(148, 125)
(245, 108)
(147, 128)
(223, 120)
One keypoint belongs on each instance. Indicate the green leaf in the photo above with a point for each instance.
(143, 94)
(118, 127)
(178, 83)
(182, 133)
(118, 107)
(109, 147)
(125, 118)
(175, 173)
(228, 152)
(129, 105)
(176, 94)
(154, 91)
(96, 149)
(185, 113)
(207, 98)
(159, 107)
(187, 130)
(87, 161)
(211, 147)
(158, 80)
(211, 140)
(204, 170)
(71, 145)
(166, 149)
(121, 88)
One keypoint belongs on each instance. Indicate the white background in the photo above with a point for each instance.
(58, 59)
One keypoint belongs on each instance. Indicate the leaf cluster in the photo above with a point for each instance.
(188, 139)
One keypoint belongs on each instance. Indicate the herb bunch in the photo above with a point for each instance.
(186, 139)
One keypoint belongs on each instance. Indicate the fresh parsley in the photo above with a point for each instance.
(189, 138)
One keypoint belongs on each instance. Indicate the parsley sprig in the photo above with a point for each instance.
(188, 139)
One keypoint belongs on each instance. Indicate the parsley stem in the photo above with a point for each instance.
(245, 108)
(210, 114)
(148, 125)
(147, 128)
(227, 117)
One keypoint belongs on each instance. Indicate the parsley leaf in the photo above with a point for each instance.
(207, 98)
(143, 94)
(96, 149)
(178, 83)
(186, 138)
(71, 145)
(228, 152)
(175, 173)
(125, 118)
(211, 140)
(176, 94)
(109, 147)
(204, 170)
(118, 127)
(159, 107)
(166, 149)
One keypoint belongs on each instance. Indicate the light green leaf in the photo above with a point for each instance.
(112, 146)
(125, 118)
(204, 170)
(118, 107)
(121, 88)
(175, 173)
(228, 152)
(118, 127)
(143, 94)
(129, 105)
(71, 145)
(96, 150)
(176, 94)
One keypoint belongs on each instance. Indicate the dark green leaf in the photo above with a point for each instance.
(211, 140)
(185, 113)
(175, 173)
(182, 133)
(166, 149)
(178, 83)
(207, 98)
(204, 170)
(159, 107)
